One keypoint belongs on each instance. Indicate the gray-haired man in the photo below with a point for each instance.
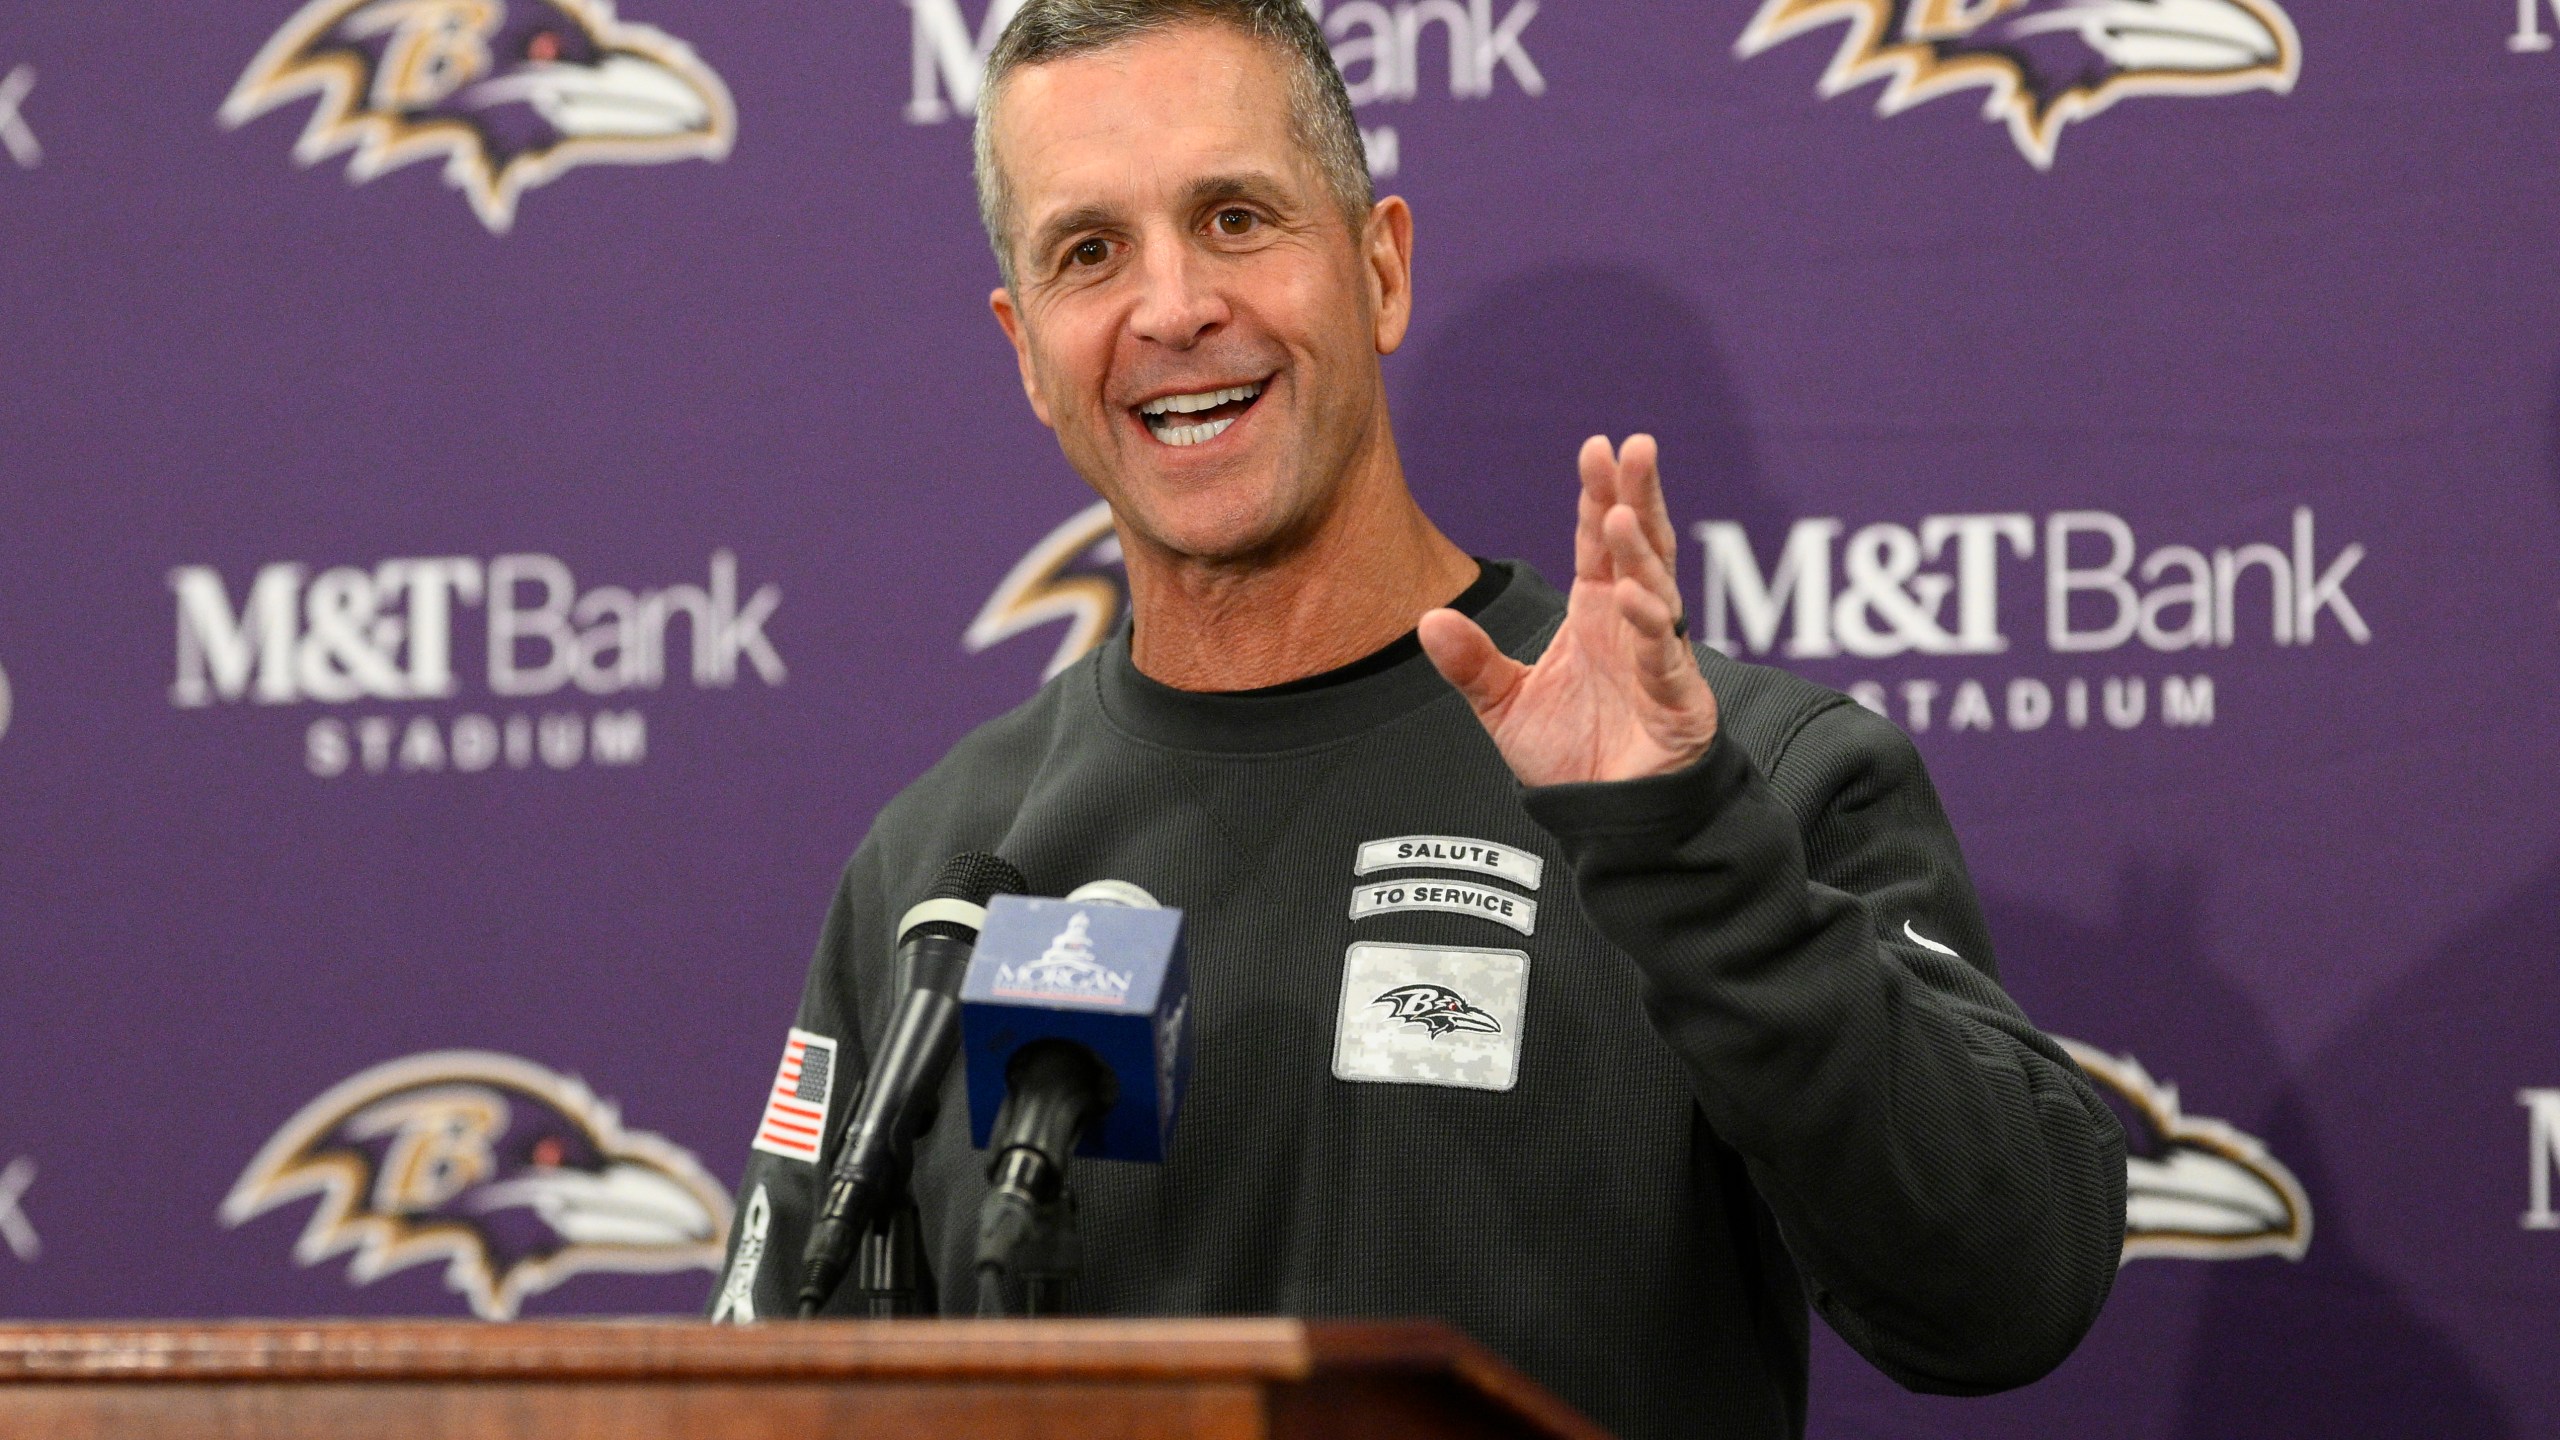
(1592, 991)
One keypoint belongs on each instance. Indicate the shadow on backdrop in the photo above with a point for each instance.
(2324, 1345)
(2197, 1349)
(2426, 1081)
(1531, 366)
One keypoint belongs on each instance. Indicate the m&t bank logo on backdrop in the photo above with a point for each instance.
(2542, 1137)
(360, 640)
(1389, 52)
(1947, 586)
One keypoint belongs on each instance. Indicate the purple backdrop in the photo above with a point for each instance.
(281, 443)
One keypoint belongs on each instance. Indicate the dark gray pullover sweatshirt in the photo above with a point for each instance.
(1615, 1077)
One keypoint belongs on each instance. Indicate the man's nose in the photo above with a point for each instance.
(1178, 298)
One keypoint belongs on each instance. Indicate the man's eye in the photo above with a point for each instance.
(1235, 222)
(1089, 252)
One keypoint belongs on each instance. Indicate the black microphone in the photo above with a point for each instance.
(1075, 1021)
(905, 1079)
(1054, 1090)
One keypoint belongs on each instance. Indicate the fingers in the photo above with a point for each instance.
(1640, 488)
(1664, 668)
(1649, 601)
(1629, 475)
(1599, 465)
(1599, 461)
(1637, 562)
(1468, 659)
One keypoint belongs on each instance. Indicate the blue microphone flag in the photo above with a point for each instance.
(1108, 977)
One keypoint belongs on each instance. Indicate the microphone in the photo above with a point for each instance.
(1114, 892)
(1075, 1022)
(899, 1092)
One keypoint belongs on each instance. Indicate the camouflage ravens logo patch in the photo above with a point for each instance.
(510, 93)
(516, 1177)
(1437, 1009)
(2045, 63)
(2195, 1188)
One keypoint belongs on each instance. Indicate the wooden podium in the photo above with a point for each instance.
(642, 1380)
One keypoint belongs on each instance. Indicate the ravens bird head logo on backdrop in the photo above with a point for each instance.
(511, 93)
(1073, 574)
(2195, 1188)
(515, 1176)
(1438, 1009)
(2046, 63)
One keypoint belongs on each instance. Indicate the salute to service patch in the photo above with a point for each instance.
(795, 1112)
(1431, 852)
(1456, 897)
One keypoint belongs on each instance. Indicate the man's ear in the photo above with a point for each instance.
(1001, 302)
(1386, 249)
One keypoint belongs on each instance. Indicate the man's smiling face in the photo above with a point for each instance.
(1193, 314)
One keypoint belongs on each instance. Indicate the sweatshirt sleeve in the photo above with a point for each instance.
(1811, 947)
(807, 1101)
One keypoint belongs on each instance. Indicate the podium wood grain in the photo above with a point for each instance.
(642, 1380)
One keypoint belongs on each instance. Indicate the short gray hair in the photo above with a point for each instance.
(1319, 106)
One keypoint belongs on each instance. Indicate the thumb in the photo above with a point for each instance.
(1468, 659)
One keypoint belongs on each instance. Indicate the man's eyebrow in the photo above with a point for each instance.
(1236, 185)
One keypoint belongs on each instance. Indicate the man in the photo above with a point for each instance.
(1683, 1012)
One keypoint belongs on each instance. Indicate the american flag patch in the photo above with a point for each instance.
(795, 1114)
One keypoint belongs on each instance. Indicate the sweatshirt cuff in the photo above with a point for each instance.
(1673, 806)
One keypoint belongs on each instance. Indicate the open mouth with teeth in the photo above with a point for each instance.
(1196, 418)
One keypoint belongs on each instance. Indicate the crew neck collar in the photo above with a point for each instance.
(1518, 618)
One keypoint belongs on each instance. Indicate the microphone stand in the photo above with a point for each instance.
(1045, 1256)
(1051, 1257)
(1027, 1233)
(892, 1278)
(1054, 1089)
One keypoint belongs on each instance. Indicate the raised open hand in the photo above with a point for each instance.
(1617, 695)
